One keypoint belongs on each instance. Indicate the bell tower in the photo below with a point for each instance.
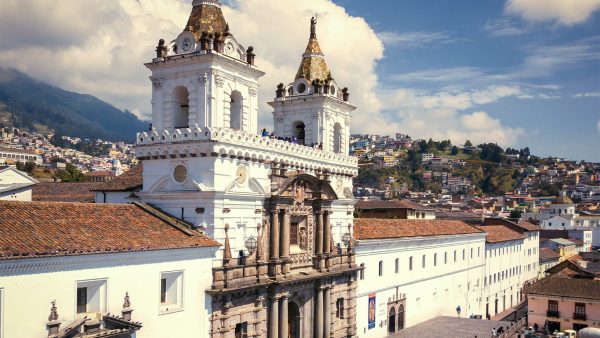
(313, 109)
(204, 77)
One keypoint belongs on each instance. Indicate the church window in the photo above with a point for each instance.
(380, 268)
(180, 173)
(362, 271)
(339, 308)
(293, 233)
(181, 107)
(171, 286)
(91, 296)
(423, 261)
(410, 263)
(337, 138)
(241, 330)
(397, 265)
(235, 111)
(435, 259)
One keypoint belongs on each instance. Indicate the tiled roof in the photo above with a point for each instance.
(389, 204)
(547, 254)
(34, 229)
(102, 173)
(65, 192)
(561, 286)
(128, 181)
(376, 228)
(528, 225)
(500, 233)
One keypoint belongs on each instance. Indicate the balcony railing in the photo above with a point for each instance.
(579, 316)
(552, 313)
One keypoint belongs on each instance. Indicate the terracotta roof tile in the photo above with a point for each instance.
(33, 229)
(389, 204)
(528, 225)
(500, 233)
(65, 192)
(547, 254)
(561, 286)
(128, 181)
(376, 228)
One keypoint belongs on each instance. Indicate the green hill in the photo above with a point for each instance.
(28, 103)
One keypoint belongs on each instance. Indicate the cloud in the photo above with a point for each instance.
(415, 39)
(504, 27)
(563, 12)
(445, 114)
(585, 95)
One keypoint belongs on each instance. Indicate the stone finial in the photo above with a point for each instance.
(126, 302)
(345, 94)
(204, 41)
(250, 56)
(313, 27)
(226, 33)
(161, 49)
(279, 92)
(227, 249)
(53, 312)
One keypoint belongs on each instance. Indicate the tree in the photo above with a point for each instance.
(468, 144)
(71, 174)
(515, 213)
(454, 150)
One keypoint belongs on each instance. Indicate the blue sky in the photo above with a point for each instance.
(468, 45)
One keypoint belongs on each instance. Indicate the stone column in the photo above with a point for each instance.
(327, 232)
(283, 317)
(327, 313)
(319, 237)
(285, 235)
(274, 246)
(273, 318)
(318, 305)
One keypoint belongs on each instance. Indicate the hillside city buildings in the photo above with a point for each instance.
(206, 228)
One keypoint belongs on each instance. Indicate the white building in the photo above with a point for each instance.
(15, 185)
(415, 270)
(85, 258)
(19, 155)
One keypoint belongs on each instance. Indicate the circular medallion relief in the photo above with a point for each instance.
(180, 173)
(242, 174)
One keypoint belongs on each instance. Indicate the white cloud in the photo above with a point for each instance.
(591, 94)
(564, 12)
(504, 27)
(414, 39)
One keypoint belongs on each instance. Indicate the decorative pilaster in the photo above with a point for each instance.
(327, 313)
(273, 317)
(227, 249)
(327, 232)
(285, 235)
(319, 237)
(274, 247)
(283, 316)
(318, 320)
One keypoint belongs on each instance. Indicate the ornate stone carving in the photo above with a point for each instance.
(203, 78)
(252, 92)
(53, 312)
(219, 81)
(126, 302)
(156, 83)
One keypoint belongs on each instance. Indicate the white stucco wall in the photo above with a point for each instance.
(29, 285)
(431, 291)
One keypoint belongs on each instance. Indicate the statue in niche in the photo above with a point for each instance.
(302, 238)
(299, 189)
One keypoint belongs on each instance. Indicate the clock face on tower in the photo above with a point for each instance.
(229, 49)
(187, 44)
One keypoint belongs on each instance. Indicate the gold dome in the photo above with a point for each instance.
(562, 199)
(207, 17)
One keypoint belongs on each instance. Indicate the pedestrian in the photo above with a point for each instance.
(265, 133)
(494, 332)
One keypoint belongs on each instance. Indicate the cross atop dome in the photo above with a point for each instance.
(313, 65)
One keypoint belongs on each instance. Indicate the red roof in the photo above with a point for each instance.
(128, 181)
(547, 254)
(376, 228)
(389, 204)
(103, 173)
(500, 233)
(65, 192)
(33, 229)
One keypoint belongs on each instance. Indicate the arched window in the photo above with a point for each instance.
(380, 268)
(299, 132)
(235, 110)
(337, 138)
(181, 107)
(392, 321)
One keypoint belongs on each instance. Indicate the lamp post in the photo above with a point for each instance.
(251, 244)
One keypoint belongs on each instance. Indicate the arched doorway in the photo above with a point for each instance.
(235, 112)
(293, 320)
(181, 107)
(392, 320)
(401, 317)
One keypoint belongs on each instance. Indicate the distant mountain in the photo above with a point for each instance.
(35, 105)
